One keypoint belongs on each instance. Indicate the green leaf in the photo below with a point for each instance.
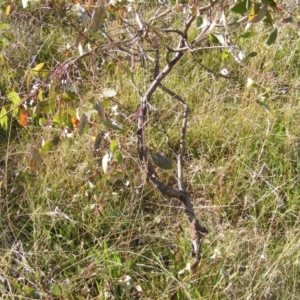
(241, 7)
(217, 38)
(252, 54)
(272, 37)
(47, 106)
(3, 118)
(247, 34)
(118, 157)
(111, 125)
(225, 54)
(113, 147)
(212, 38)
(4, 26)
(55, 290)
(50, 144)
(15, 110)
(199, 21)
(263, 104)
(14, 98)
(268, 19)
(161, 161)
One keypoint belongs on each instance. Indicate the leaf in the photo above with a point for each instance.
(154, 42)
(212, 38)
(48, 145)
(100, 136)
(7, 11)
(23, 115)
(268, 19)
(75, 122)
(83, 17)
(252, 54)
(109, 93)
(3, 118)
(36, 158)
(161, 161)
(257, 13)
(118, 157)
(225, 54)
(220, 38)
(272, 37)
(241, 7)
(263, 104)
(111, 125)
(82, 122)
(105, 160)
(40, 95)
(35, 71)
(55, 290)
(113, 147)
(38, 67)
(99, 15)
(4, 26)
(25, 3)
(247, 34)
(199, 21)
(15, 110)
(100, 110)
(14, 98)
(47, 106)
(251, 83)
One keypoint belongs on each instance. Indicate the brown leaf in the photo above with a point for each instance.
(36, 158)
(154, 42)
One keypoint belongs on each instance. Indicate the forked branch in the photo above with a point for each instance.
(196, 230)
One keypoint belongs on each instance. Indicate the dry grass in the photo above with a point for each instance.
(69, 231)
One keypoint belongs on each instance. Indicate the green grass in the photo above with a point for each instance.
(70, 231)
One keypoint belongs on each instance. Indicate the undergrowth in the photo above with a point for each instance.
(68, 231)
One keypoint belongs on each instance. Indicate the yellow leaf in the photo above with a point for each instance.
(257, 13)
(39, 67)
(7, 11)
(40, 95)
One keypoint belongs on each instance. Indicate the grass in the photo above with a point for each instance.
(69, 231)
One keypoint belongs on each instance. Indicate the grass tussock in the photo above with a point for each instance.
(69, 231)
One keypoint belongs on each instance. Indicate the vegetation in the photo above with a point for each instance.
(109, 108)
